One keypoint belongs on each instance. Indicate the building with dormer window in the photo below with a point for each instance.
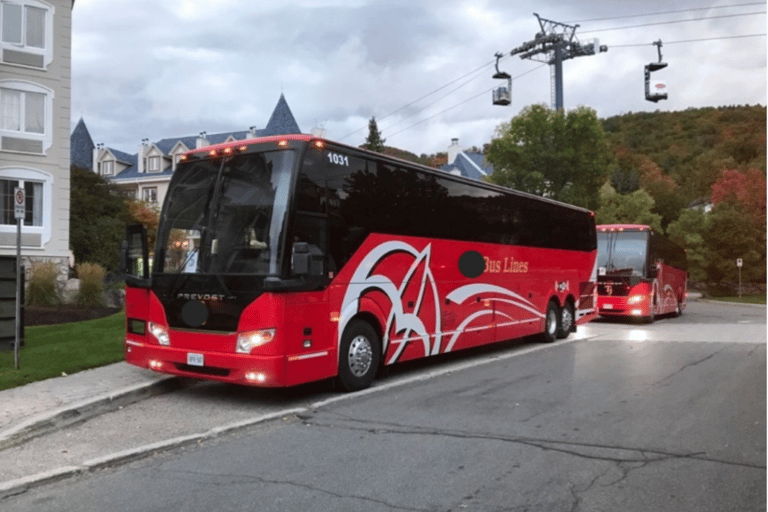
(146, 175)
(35, 70)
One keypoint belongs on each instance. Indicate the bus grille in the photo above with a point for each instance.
(613, 289)
(203, 370)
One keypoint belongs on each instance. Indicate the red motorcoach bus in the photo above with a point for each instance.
(292, 259)
(641, 274)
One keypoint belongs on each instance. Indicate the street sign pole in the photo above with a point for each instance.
(739, 263)
(19, 201)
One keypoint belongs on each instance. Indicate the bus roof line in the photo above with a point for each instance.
(380, 156)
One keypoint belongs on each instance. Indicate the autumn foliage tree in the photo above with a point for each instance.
(148, 214)
(736, 227)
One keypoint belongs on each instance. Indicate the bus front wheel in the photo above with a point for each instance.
(359, 355)
(551, 323)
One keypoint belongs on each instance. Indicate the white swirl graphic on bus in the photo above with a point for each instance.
(423, 325)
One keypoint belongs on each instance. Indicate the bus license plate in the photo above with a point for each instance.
(607, 306)
(194, 359)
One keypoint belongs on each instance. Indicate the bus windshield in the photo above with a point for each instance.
(226, 215)
(622, 252)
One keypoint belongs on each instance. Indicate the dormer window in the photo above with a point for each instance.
(153, 164)
(107, 168)
(26, 32)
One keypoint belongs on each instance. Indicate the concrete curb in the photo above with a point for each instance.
(21, 485)
(85, 409)
(729, 303)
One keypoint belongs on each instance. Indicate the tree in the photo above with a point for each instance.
(744, 189)
(552, 153)
(634, 208)
(374, 142)
(730, 235)
(148, 214)
(688, 231)
(737, 227)
(97, 219)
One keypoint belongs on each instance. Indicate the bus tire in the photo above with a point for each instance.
(551, 323)
(359, 355)
(566, 320)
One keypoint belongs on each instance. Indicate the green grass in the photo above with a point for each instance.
(746, 299)
(50, 350)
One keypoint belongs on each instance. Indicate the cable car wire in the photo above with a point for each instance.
(425, 96)
(463, 102)
(672, 22)
(687, 41)
(660, 13)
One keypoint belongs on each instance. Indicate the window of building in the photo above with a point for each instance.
(107, 168)
(38, 218)
(34, 201)
(26, 32)
(25, 116)
(149, 194)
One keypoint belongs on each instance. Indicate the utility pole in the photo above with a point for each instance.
(556, 43)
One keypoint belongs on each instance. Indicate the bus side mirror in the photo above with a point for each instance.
(301, 259)
(134, 257)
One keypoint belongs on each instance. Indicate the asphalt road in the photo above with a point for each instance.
(669, 416)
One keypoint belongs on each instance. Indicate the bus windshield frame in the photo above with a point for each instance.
(227, 215)
(623, 252)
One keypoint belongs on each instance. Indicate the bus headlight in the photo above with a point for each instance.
(247, 341)
(635, 299)
(160, 333)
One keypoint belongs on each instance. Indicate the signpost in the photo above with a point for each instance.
(739, 264)
(19, 210)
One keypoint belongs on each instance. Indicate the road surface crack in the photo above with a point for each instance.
(634, 455)
(689, 365)
(232, 479)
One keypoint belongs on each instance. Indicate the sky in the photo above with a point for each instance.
(423, 68)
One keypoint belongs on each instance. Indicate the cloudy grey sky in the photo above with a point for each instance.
(148, 69)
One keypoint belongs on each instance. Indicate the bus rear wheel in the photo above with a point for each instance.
(551, 323)
(566, 320)
(359, 355)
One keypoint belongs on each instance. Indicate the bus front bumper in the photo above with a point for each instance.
(249, 370)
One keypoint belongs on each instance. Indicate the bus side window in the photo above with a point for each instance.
(311, 229)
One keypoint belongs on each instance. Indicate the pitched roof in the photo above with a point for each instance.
(470, 165)
(281, 122)
(81, 146)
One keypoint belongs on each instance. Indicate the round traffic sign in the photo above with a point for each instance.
(20, 196)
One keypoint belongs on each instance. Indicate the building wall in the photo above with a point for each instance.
(49, 242)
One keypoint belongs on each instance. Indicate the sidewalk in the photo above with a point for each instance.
(40, 407)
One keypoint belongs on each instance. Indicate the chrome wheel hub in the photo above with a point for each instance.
(552, 322)
(360, 356)
(567, 319)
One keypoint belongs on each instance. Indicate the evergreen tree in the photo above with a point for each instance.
(374, 142)
(98, 216)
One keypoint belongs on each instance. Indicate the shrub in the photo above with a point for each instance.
(91, 292)
(42, 289)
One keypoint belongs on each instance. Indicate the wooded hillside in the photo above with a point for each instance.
(692, 147)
